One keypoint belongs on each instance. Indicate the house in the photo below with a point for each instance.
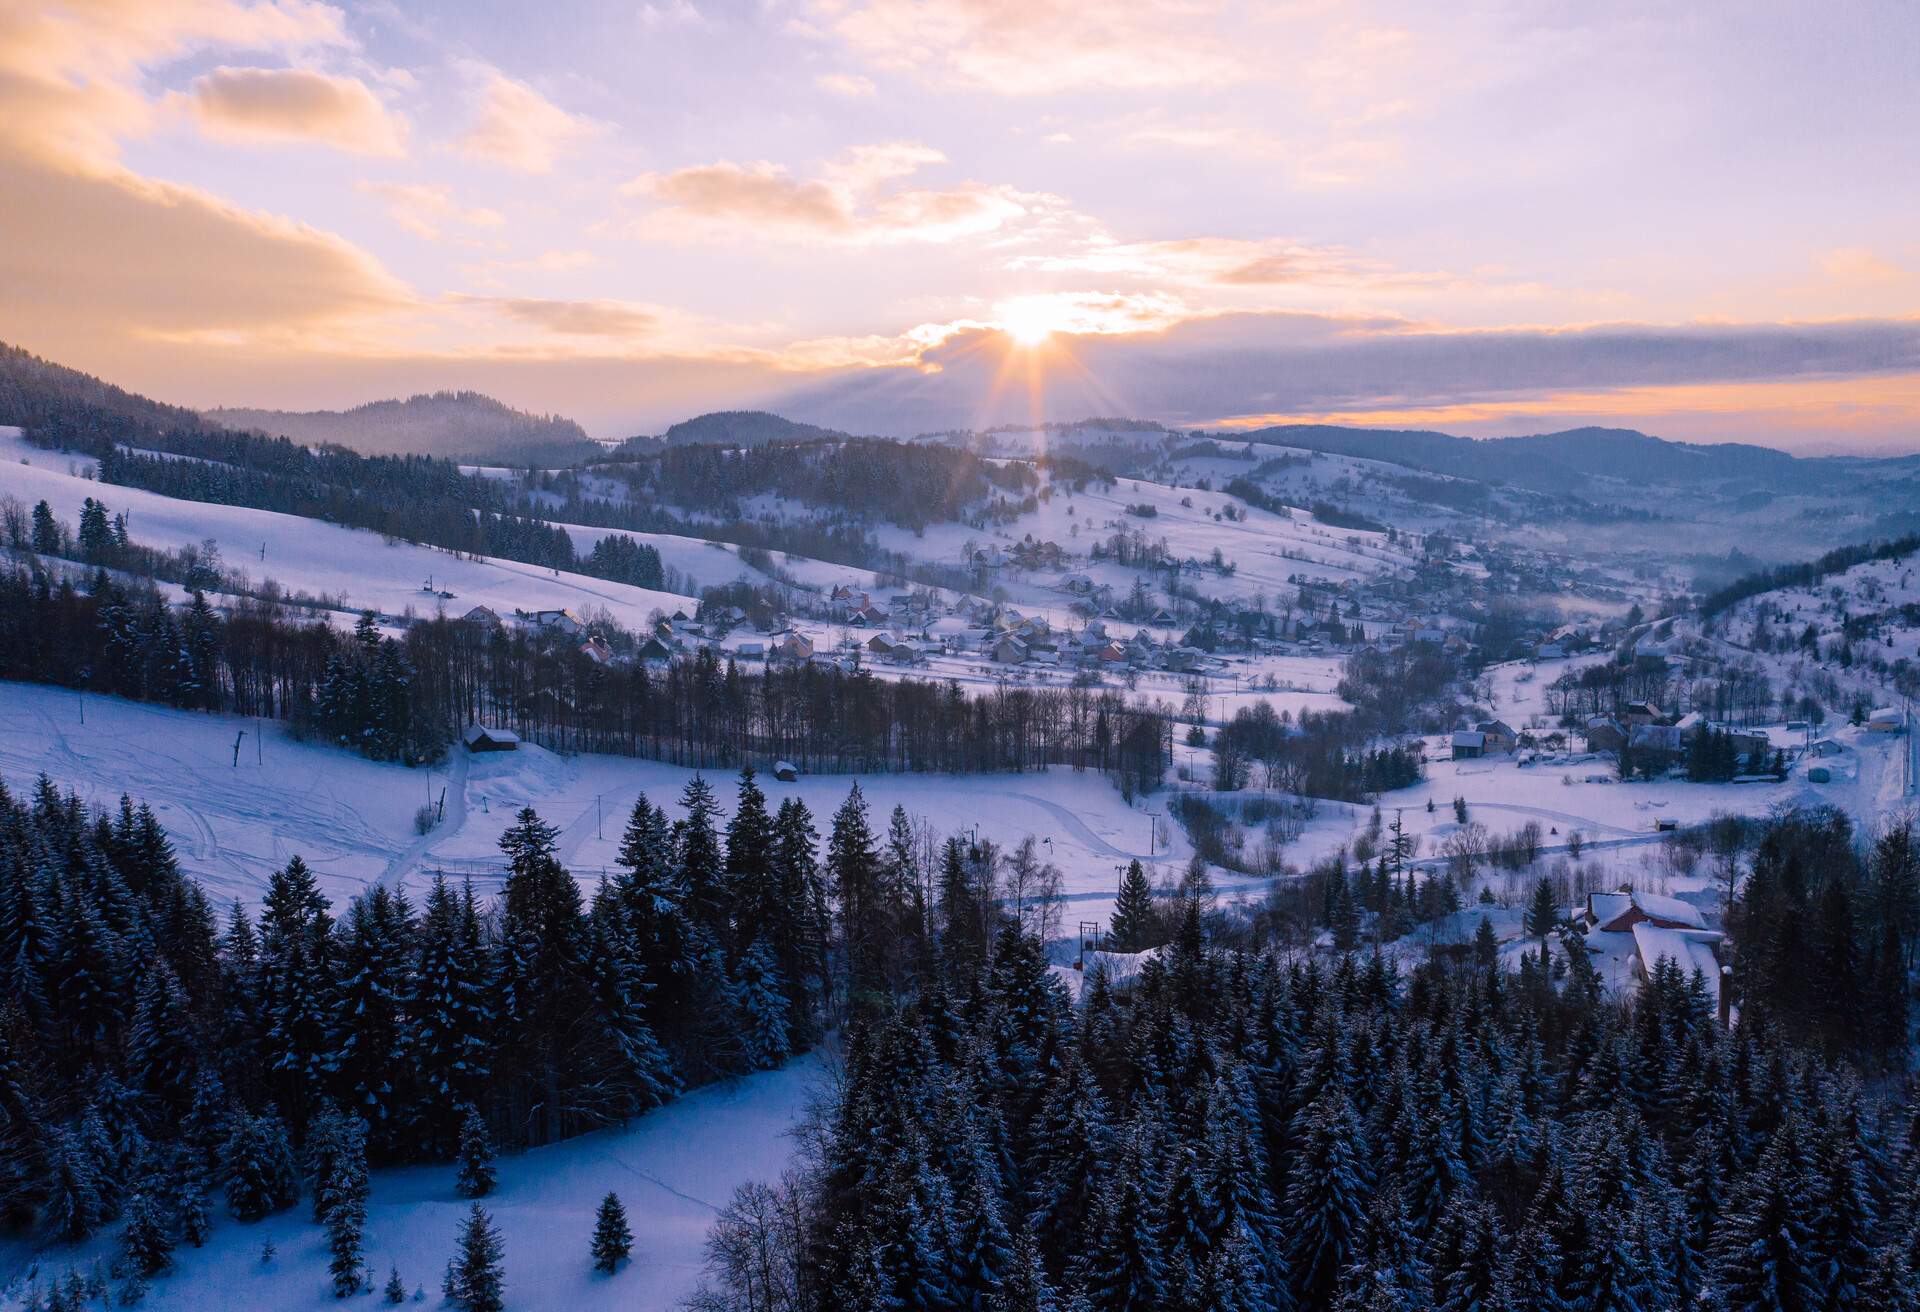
(1662, 738)
(1605, 734)
(1077, 583)
(480, 738)
(1468, 744)
(1642, 713)
(654, 651)
(1616, 913)
(1498, 735)
(751, 651)
(1009, 650)
(1162, 619)
(559, 621)
(1111, 654)
(786, 772)
(1182, 659)
(482, 617)
(1824, 747)
(795, 647)
(596, 650)
(1549, 651)
(869, 614)
(1885, 719)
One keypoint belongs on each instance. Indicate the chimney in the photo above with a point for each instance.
(1726, 996)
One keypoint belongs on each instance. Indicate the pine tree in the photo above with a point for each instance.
(74, 1206)
(1343, 917)
(476, 1273)
(1124, 1269)
(612, 1240)
(46, 531)
(853, 869)
(1765, 1253)
(145, 1239)
(1136, 925)
(763, 1009)
(751, 894)
(395, 1292)
(346, 1227)
(477, 1175)
(1327, 1195)
(446, 1015)
(259, 1167)
(702, 865)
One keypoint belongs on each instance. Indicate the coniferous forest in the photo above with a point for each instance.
(157, 1051)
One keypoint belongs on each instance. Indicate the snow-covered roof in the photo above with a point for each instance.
(478, 732)
(1690, 950)
(1608, 907)
(1469, 738)
(1661, 907)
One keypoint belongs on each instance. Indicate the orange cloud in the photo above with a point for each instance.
(99, 262)
(582, 318)
(425, 209)
(517, 127)
(1028, 47)
(291, 104)
(852, 201)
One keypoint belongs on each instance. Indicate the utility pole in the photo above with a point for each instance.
(236, 748)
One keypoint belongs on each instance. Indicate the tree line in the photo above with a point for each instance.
(405, 698)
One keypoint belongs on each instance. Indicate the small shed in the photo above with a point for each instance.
(786, 772)
(480, 738)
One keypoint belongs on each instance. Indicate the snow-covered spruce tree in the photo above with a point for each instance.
(624, 1063)
(395, 1291)
(476, 1176)
(763, 1008)
(801, 929)
(476, 1277)
(146, 1241)
(346, 1247)
(446, 1016)
(259, 1167)
(1327, 1196)
(612, 1239)
(376, 962)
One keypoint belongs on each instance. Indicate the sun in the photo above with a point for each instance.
(1029, 320)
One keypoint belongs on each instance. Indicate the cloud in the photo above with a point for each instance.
(1205, 370)
(1230, 262)
(290, 104)
(852, 201)
(517, 127)
(99, 262)
(620, 319)
(850, 85)
(1032, 47)
(1859, 264)
(425, 209)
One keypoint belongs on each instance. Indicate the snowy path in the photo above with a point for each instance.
(672, 1168)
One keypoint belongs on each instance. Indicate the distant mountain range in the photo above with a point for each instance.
(1558, 462)
(466, 426)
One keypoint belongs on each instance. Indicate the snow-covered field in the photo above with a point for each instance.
(352, 819)
(673, 1168)
(322, 560)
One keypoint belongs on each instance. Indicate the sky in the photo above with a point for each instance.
(910, 215)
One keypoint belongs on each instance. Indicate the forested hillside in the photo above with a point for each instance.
(456, 425)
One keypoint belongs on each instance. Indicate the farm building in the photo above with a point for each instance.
(481, 738)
